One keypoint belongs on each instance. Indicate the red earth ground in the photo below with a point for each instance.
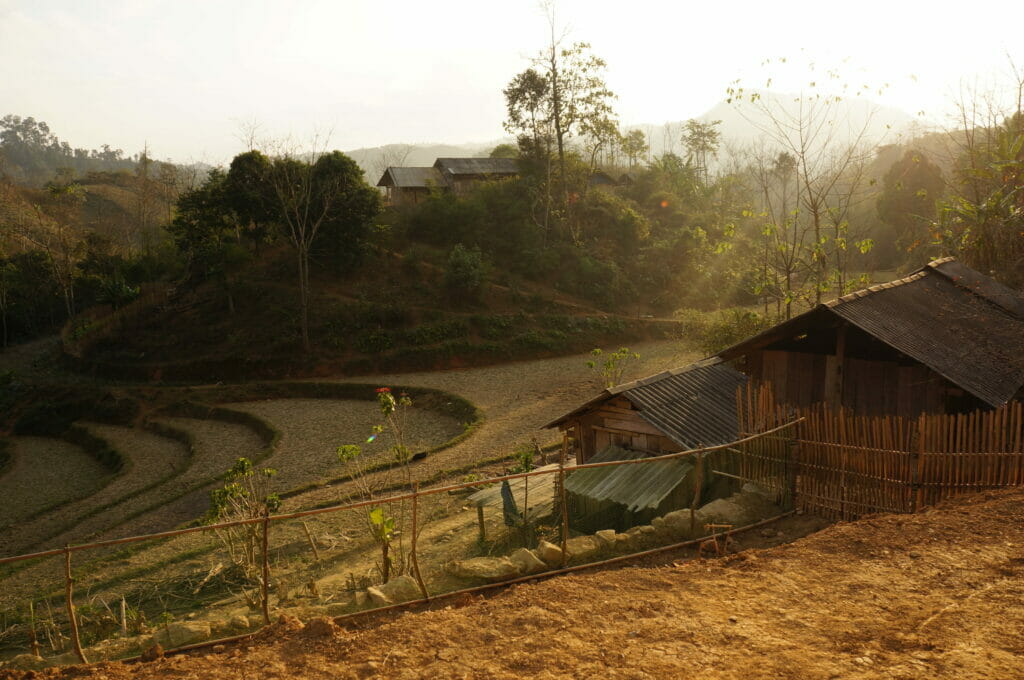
(939, 594)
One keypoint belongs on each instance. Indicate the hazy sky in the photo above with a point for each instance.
(185, 75)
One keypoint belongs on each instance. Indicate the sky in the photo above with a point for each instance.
(188, 77)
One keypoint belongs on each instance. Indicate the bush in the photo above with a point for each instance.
(712, 332)
(465, 273)
(374, 342)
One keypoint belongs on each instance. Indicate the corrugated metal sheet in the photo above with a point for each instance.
(540, 495)
(960, 335)
(411, 178)
(979, 284)
(478, 166)
(693, 406)
(637, 487)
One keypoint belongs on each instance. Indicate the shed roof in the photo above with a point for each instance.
(478, 166)
(694, 405)
(638, 487)
(410, 178)
(540, 495)
(960, 323)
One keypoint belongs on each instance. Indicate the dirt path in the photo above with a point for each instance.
(933, 595)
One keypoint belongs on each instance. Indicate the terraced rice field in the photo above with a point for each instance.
(44, 473)
(312, 429)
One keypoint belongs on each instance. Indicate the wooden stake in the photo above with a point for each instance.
(412, 547)
(698, 482)
(68, 595)
(265, 581)
(565, 501)
(312, 543)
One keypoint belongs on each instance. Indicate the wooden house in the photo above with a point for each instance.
(672, 411)
(945, 339)
(409, 186)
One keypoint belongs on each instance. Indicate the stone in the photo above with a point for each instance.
(399, 589)
(492, 569)
(181, 633)
(65, 659)
(549, 553)
(527, 561)
(322, 627)
(27, 662)
(116, 648)
(583, 547)
(607, 537)
(678, 522)
(360, 598)
(240, 623)
(377, 597)
(156, 651)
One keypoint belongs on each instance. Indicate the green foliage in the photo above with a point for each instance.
(611, 367)
(245, 493)
(712, 332)
(465, 273)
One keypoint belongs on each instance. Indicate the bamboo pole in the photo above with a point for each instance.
(265, 581)
(698, 483)
(564, 501)
(415, 535)
(69, 596)
(312, 543)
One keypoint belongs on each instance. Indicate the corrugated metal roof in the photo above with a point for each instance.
(478, 166)
(410, 178)
(960, 323)
(694, 405)
(540, 495)
(638, 487)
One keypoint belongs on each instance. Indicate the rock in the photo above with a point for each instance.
(549, 553)
(181, 633)
(65, 659)
(322, 627)
(607, 537)
(527, 562)
(377, 597)
(28, 662)
(493, 569)
(255, 621)
(360, 598)
(153, 653)
(218, 649)
(240, 623)
(678, 523)
(583, 547)
(399, 589)
(642, 535)
(116, 648)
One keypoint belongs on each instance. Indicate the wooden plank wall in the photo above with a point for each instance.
(615, 421)
(845, 466)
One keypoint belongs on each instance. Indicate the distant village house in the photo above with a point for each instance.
(410, 185)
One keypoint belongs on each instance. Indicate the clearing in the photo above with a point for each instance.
(932, 595)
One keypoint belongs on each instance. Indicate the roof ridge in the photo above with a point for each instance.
(864, 292)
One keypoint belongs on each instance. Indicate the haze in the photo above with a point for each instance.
(184, 76)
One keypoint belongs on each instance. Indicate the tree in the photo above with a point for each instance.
(504, 151)
(830, 172)
(329, 190)
(634, 145)
(701, 141)
(910, 189)
(250, 195)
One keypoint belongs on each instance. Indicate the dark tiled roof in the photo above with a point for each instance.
(478, 166)
(961, 324)
(694, 405)
(638, 487)
(409, 178)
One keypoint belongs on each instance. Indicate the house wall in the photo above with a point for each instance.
(868, 387)
(615, 421)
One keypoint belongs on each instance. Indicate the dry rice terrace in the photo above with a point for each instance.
(932, 595)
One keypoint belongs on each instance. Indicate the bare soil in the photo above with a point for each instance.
(932, 595)
(46, 472)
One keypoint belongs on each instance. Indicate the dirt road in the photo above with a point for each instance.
(933, 595)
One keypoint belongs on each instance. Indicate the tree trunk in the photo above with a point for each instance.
(303, 254)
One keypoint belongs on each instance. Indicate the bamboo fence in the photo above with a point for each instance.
(845, 466)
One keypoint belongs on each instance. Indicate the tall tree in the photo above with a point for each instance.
(634, 145)
(701, 141)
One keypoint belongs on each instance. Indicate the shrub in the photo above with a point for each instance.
(374, 341)
(714, 331)
(465, 273)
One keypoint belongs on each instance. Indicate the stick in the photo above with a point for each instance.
(68, 581)
(312, 543)
(265, 581)
(565, 502)
(412, 547)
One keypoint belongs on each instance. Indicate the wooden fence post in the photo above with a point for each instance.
(68, 594)
(564, 499)
(698, 484)
(265, 581)
(415, 534)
